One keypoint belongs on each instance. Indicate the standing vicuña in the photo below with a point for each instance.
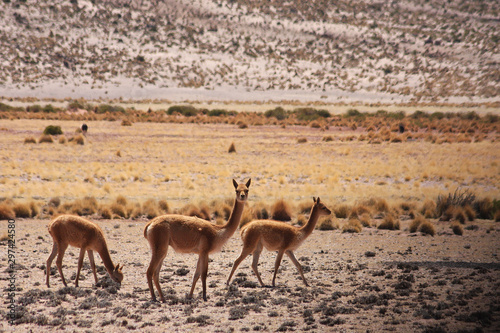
(188, 234)
(276, 236)
(86, 235)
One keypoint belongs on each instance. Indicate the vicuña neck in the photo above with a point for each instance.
(106, 259)
(234, 220)
(311, 223)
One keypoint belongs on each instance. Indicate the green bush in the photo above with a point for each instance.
(353, 113)
(217, 113)
(185, 110)
(278, 113)
(309, 114)
(52, 130)
(103, 108)
(34, 108)
(49, 108)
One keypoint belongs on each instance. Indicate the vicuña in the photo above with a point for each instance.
(276, 236)
(86, 235)
(188, 234)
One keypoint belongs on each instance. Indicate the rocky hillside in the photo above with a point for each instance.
(410, 50)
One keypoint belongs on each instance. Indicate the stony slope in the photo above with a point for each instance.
(444, 51)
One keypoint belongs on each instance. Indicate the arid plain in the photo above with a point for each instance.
(361, 279)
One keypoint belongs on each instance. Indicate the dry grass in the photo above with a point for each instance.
(22, 210)
(327, 223)
(457, 228)
(6, 212)
(45, 139)
(353, 225)
(421, 224)
(155, 166)
(281, 211)
(389, 223)
(30, 139)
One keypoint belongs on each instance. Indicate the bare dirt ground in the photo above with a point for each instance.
(376, 280)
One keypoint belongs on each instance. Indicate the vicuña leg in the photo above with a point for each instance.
(153, 272)
(201, 270)
(80, 264)
(92, 263)
(49, 262)
(296, 263)
(255, 262)
(60, 254)
(277, 264)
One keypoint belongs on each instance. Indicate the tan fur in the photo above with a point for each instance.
(188, 234)
(276, 236)
(84, 234)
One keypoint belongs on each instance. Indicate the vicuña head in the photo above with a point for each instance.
(86, 235)
(189, 234)
(276, 236)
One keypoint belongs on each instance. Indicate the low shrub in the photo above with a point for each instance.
(185, 110)
(52, 130)
(232, 148)
(278, 113)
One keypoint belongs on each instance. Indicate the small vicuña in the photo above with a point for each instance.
(188, 234)
(86, 235)
(276, 236)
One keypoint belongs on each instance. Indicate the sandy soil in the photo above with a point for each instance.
(377, 280)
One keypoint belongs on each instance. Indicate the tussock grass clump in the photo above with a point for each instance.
(151, 209)
(280, 211)
(117, 210)
(353, 226)
(458, 198)
(470, 213)
(457, 228)
(45, 139)
(497, 216)
(260, 211)
(365, 220)
(327, 223)
(484, 208)
(202, 211)
(302, 140)
(22, 210)
(342, 211)
(428, 209)
(327, 138)
(359, 210)
(78, 139)
(30, 139)
(6, 212)
(389, 223)
(62, 140)
(232, 148)
(423, 225)
(126, 122)
(85, 206)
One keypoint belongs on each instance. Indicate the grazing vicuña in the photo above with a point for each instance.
(86, 235)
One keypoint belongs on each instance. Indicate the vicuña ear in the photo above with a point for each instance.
(235, 184)
(248, 182)
(314, 199)
(317, 200)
